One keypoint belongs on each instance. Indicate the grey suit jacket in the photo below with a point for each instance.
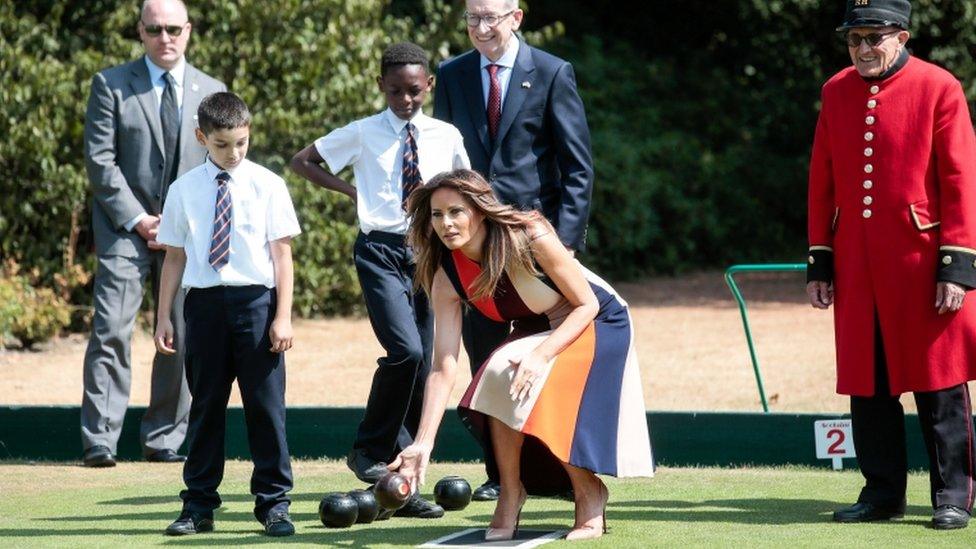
(124, 150)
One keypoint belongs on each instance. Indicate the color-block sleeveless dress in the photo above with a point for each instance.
(588, 407)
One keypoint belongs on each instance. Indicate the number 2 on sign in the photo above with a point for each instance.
(835, 447)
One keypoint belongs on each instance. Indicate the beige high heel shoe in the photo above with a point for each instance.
(505, 534)
(590, 532)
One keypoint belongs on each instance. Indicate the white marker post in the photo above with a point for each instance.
(834, 440)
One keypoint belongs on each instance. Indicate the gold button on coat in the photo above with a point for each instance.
(872, 103)
(868, 136)
(868, 200)
(869, 120)
(875, 89)
(866, 214)
(947, 260)
(868, 168)
(868, 151)
(868, 184)
(811, 260)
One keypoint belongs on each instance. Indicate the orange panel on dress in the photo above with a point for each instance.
(468, 270)
(553, 418)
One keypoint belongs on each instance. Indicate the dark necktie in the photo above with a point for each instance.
(411, 171)
(169, 116)
(494, 101)
(223, 213)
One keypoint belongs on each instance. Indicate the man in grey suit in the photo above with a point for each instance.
(138, 139)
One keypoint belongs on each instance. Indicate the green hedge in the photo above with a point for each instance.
(702, 114)
(701, 111)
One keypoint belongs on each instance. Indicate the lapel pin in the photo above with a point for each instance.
(194, 87)
(526, 84)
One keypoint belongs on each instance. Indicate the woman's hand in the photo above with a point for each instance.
(529, 370)
(412, 464)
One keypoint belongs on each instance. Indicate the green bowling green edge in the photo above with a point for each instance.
(65, 505)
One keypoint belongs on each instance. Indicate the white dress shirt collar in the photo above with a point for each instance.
(507, 60)
(156, 72)
(419, 121)
(213, 169)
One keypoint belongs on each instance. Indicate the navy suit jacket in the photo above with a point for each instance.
(541, 158)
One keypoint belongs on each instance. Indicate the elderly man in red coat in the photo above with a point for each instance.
(892, 228)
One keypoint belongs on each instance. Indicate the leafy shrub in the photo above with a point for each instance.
(28, 313)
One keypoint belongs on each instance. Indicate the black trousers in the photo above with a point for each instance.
(227, 339)
(946, 419)
(404, 325)
(481, 336)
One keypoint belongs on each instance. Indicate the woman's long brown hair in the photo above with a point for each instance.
(507, 245)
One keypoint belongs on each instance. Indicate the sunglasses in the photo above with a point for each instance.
(156, 30)
(873, 39)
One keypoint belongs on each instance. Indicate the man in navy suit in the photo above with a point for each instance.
(525, 130)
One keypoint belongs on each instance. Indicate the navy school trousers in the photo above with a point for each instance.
(404, 325)
(226, 339)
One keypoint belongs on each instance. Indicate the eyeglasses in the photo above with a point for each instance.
(491, 20)
(156, 30)
(873, 39)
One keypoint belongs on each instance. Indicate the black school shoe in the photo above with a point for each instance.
(949, 517)
(418, 507)
(489, 491)
(365, 468)
(869, 512)
(278, 524)
(190, 523)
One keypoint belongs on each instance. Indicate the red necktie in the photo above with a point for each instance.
(494, 101)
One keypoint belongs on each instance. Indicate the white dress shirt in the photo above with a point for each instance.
(505, 64)
(374, 147)
(159, 86)
(262, 212)
(159, 82)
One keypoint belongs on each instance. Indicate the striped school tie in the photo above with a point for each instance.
(223, 213)
(411, 171)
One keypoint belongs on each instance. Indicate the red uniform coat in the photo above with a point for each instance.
(893, 196)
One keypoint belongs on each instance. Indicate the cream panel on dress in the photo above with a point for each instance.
(492, 398)
(633, 441)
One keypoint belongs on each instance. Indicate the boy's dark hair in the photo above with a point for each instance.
(404, 53)
(222, 111)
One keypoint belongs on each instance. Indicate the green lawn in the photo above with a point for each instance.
(56, 505)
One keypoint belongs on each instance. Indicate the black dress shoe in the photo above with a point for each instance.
(949, 517)
(165, 456)
(278, 524)
(868, 512)
(418, 507)
(489, 491)
(98, 456)
(366, 468)
(190, 523)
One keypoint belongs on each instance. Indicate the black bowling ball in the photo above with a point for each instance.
(452, 493)
(338, 510)
(368, 507)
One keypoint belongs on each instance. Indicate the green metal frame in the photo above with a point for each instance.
(730, 280)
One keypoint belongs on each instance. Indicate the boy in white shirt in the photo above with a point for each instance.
(391, 153)
(227, 226)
